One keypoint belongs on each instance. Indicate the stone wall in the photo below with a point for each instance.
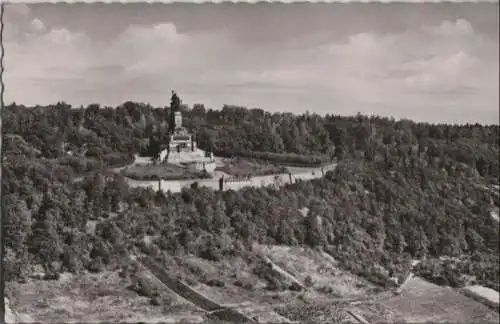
(234, 183)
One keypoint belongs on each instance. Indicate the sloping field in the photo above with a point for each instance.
(318, 314)
(237, 283)
(317, 270)
(204, 302)
(232, 284)
(97, 298)
(421, 301)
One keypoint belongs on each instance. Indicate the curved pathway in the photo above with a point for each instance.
(279, 179)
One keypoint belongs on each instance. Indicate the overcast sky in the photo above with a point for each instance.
(432, 62)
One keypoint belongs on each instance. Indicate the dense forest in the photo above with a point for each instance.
(402, 190)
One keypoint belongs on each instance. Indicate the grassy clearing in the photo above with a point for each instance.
(422, 301)
(237, 280)
(250, 167)
(318, 271)
(97, 298)
(163, 171)
(226, 282)
(234, 282)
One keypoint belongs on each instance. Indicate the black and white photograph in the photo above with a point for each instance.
(250, 162)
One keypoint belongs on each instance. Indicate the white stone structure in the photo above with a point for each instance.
(183, 150)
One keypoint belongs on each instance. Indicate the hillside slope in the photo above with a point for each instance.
(401, 191)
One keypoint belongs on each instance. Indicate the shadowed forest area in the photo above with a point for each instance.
(402, 191)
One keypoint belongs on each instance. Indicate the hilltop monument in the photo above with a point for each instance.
(175, 113)
(180, 138)
(182, 148)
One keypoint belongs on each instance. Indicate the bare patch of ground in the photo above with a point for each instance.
(233, 283)
(229, 282)
(228, 289)
(317, 270)
(311, 313)
(96, 298)
(421, 301)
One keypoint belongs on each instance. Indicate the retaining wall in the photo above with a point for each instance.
(143, 184)
(234, 183)
(306, 176)
(209, 183)
(172, 186)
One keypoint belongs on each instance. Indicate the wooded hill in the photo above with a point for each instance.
(402, 191)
